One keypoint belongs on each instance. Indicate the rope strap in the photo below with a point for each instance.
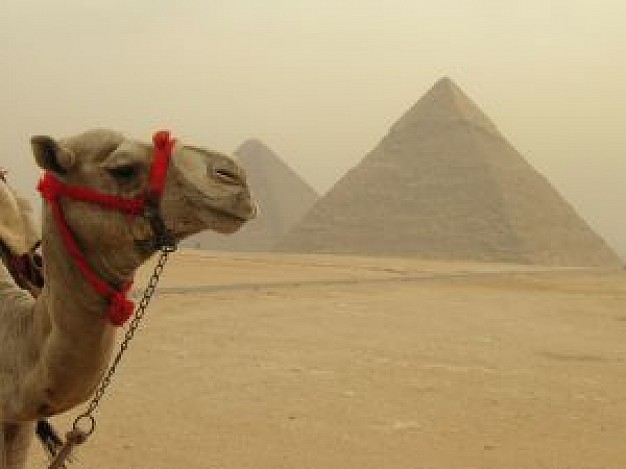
(52, 189)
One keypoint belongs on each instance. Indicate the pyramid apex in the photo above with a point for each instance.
(252, 145)
(254, 149)
(446, 102)
(445, 81)
(447, 85)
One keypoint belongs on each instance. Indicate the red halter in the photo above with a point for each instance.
(51, 189)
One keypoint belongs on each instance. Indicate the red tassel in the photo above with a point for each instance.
(161, 138)
(120, 310)
(51, 188)
(163, 146)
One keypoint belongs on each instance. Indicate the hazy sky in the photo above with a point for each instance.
(321, 81)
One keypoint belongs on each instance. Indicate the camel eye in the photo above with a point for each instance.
(125, 172)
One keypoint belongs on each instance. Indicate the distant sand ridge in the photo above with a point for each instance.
(445, 184)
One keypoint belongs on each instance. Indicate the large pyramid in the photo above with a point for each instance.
(445, 184)
(282, 197)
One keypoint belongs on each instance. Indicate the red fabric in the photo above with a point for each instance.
(51, 189)
(163, 146)
(120, 308)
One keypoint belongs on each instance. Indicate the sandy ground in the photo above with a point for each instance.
(322, 362)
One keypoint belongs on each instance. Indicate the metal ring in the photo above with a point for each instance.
(90, 424)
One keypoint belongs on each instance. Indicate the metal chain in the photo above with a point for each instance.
(87, 419)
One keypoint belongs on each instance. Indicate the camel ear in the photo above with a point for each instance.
(50, 155)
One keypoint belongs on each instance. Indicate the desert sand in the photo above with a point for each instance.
(328, 362)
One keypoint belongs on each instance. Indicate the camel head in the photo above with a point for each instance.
(203, 190)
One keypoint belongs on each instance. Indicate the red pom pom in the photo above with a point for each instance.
(161, 139)
(121, 309)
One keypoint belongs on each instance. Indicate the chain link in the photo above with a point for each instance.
(148, 293)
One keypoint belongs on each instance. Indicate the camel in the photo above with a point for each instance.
(54, 349)
(19, 238)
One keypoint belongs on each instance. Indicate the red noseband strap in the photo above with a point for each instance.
(52, 189)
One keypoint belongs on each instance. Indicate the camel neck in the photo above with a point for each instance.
(75, 339)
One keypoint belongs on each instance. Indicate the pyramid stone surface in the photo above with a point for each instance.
(445, 184)
(281, 195)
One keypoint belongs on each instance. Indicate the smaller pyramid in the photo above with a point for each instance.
(281, 195)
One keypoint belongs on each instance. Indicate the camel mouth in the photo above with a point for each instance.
(213, 220)
(231, 228)
(218, 220)
(229, 222)
(240, 206)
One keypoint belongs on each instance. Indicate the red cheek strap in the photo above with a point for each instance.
(52, 189)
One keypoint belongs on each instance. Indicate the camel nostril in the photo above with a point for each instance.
(226, 175)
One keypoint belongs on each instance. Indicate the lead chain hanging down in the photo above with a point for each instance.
(85, 424)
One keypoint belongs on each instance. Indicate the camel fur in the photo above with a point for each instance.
(54, 349)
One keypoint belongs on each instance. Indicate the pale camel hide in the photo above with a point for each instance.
(18, 229)
(54, 350)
